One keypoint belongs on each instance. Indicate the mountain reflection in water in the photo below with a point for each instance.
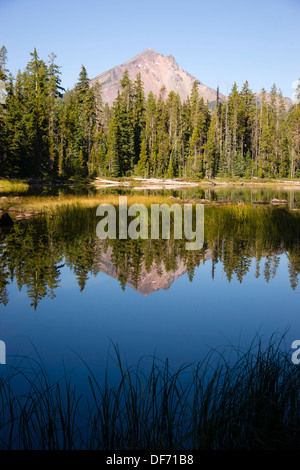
(34, 252)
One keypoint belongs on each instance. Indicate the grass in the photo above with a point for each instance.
(231, 400)
(247, 220)
(50, 203)
(13, 186)
(46, 203)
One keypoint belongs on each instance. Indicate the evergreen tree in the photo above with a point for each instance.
(36, 115)
(139, 117)
(210, 149)
(294, 136)
(55, 94)
(142, 168)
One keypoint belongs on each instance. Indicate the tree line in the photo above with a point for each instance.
(46, 131)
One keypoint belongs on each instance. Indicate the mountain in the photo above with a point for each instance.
(156, 70)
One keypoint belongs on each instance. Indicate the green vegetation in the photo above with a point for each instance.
(232, 399)
(13, 186)
(46, 131)
(48, 204)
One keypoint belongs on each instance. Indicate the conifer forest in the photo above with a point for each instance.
(49, 132)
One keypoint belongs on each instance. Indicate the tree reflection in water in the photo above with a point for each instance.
(34, 252)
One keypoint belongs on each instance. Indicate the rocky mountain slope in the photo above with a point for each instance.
(157, 71)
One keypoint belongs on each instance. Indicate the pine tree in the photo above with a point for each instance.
(294, 136)
(233, 109)
(85, 118)
(210, 149)
(121, 132)
(3, 62)
(36, 114)
(55, 92)
(3, 80)
(14, 147)
(142, 168)
(113, 153)
(139, 117)
(265, 143)
(170, 172)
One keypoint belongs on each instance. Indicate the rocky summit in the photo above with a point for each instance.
(156, 71)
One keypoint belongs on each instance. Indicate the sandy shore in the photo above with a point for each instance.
(157, 184)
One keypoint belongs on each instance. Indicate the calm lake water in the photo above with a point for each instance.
(69, 294)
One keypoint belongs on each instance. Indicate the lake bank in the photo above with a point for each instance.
(27, 207)
(136, 183)
(23, 200)
(159, 183)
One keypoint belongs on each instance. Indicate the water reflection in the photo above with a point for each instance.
(35, 253)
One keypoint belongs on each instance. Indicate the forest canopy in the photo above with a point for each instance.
(46, 131)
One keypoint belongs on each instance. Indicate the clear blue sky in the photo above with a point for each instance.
(218, 42)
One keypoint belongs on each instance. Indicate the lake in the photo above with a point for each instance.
(71, 295)
(128, 321)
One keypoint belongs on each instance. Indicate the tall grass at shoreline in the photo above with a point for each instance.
(240, 221)
(46, 204)
(240, 400)
(13, 186)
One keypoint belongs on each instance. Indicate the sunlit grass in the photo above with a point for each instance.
(13, 186)
(49, 203)
(44, 203)
(241, 220)
(247, 219)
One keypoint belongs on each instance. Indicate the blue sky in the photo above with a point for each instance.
(218, 42)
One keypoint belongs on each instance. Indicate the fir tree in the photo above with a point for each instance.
(142, 168)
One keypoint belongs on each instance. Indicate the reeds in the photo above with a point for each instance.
(13, 186)
(230, 400)
(248, 221)
(46, 204)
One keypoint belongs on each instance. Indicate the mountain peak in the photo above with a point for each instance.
(149, 53)
(156, 71)
(149, 50)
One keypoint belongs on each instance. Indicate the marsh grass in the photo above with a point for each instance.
(233, 399)
(46, 204)
(13, 186)
(238, 221)
(247, 220)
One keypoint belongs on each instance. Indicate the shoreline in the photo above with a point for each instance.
(159, 183)
(26, 207)
(137, 183)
